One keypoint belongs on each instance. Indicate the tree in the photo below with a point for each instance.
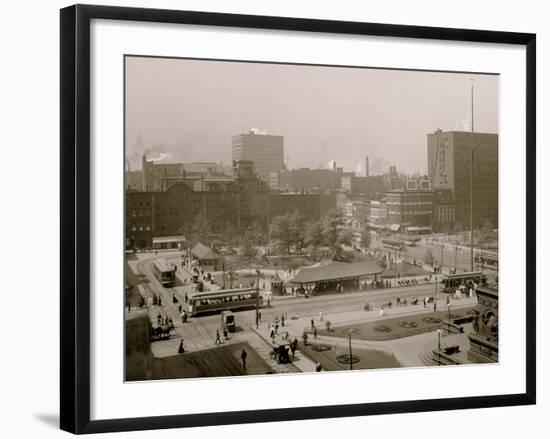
(288, 231)
(313, 236)
(365, 236)
(199, 230)
(257, 233)
(231, 234)
(428, 257)
(458, 227)
(335, 234)
(249, 252)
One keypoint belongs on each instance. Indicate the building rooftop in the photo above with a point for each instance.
(336, 271)
(202, 251)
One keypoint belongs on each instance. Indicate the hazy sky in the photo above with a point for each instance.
(189, 109)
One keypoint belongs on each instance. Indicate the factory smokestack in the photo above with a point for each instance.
(367, 167)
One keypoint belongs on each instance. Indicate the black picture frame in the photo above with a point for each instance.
(75, 217)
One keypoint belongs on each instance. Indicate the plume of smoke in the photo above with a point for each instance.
(161, 156)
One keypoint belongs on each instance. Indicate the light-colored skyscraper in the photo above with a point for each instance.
(265, 150)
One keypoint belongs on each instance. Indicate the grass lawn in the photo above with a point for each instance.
(368, 358)
(397, 327)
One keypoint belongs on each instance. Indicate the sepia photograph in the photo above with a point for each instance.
(297, 218)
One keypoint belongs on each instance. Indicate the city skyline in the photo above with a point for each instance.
(188, 110)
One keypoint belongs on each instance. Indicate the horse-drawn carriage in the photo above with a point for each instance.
(161, 332)
(281, 353)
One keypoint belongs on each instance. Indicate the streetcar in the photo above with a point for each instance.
(394, 244)
(164, 272)
(221, 300)
(453, 282)
(487, 260)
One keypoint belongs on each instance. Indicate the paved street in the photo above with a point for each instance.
(341, 309)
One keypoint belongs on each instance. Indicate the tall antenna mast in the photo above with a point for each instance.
(472, 100)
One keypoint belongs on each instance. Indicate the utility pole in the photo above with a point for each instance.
(258, 299)
(481, 248)
(435, 298)
(441, 266)
(439, 347)
(456, 248)
(472, 212)
(395, 264)
(472, 101)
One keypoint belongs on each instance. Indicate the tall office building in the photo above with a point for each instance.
(449, 168)
(266, 151)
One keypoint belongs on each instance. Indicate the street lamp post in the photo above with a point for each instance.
(435, 299)
(449, 320)
(439, 347)
(350, 355)
(395, 264)
(258, 299)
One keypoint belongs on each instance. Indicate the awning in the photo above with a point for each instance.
(336, 271)
(395, 227)
(419, 229)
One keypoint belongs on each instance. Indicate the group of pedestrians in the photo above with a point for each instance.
(164, 320)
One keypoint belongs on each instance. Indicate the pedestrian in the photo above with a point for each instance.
(318, 367)
(159, 318)
(282, 320)
(315, 333)
(181, 350)
(312, 324)
(225, 333)
(321, 315)
(244, 354)
(276, 328)
(184, 317)
(272, 334)
(304, 337)
(259, 316)
(293, 346)
(218, 337)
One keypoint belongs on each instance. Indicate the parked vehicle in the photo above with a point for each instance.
(228, 320)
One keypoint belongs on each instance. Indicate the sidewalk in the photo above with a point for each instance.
(300, 361)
